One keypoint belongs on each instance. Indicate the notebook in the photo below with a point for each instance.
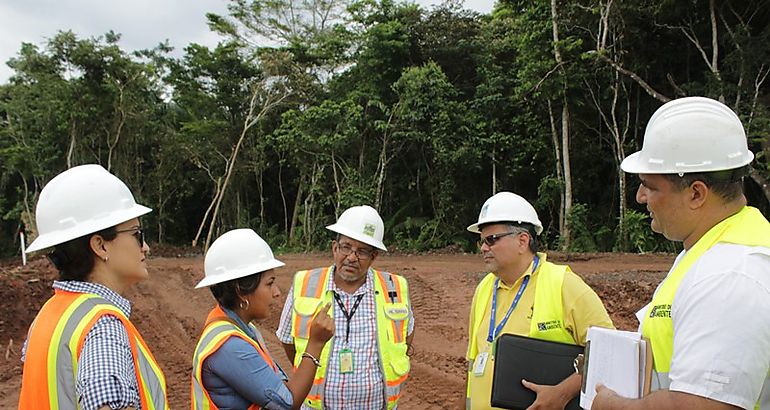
(539, 361)
(620, 360)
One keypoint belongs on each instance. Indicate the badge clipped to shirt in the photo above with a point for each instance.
(480, 363)
(346, 361)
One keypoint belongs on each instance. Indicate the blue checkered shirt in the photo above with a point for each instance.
(105, 375)
(362, 389)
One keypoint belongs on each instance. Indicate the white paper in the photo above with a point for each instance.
(614, 361)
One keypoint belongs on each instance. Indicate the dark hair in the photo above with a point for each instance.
(75, 259)
(519, 227)
(229, 293)
(727, 184)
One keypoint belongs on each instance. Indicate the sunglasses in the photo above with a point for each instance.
(491, 240)
(137, 233)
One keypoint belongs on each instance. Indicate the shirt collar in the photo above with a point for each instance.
(100, 290)
(237, 319)
(541, 256)
(364, 289)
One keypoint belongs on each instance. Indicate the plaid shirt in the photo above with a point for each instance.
(106, 375)
(362, 389)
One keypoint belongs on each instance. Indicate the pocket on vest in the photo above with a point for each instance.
(396, 311)
(397, 359)
(304, 309)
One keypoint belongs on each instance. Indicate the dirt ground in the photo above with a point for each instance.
(169, 312)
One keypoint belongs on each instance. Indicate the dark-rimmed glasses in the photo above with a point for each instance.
(491, 240)
(137, 233)
(361, 254)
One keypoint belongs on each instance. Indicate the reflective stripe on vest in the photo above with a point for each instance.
(392, 312)
(215, 334)
(747, 227)
(547, 321)
(56, 339)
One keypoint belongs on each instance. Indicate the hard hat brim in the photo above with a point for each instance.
(239, 273)
(474, 228)
(633, 164)
(114, 218)
(357, 236)
(637, 164)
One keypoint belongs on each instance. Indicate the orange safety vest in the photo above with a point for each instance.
(54, 344)
(219, 328)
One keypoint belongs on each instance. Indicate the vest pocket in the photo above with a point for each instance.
(396, 311)
(304, 309)
(398, 360)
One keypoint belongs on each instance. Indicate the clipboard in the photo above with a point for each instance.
(539, 361)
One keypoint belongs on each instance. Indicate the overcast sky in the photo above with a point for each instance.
(142, 23)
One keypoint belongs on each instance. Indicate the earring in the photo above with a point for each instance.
(241, 305)
(106, 258)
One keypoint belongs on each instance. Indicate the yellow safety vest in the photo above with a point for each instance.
(548, 312)
(219, 328)
(392, 310)
(56, 340)
(747, 227)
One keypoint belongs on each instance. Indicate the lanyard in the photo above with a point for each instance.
(495, 330)
(348, 315)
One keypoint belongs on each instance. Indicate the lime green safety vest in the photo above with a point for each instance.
(747, 227)
(392, 310)
(548, 312)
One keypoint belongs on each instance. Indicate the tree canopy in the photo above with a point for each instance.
(308, 107)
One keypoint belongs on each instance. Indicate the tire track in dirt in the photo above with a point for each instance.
(437, 380)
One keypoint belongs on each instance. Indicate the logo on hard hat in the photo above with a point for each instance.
(369, 229)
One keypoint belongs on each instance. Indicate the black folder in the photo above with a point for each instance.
(539, 361)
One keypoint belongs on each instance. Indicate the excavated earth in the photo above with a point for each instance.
(169, 312)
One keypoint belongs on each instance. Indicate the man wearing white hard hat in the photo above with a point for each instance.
(232, 368)
(526, 295)
(82, 351)
(368, 362)
(709, 320)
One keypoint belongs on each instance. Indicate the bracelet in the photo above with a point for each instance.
(313, 359)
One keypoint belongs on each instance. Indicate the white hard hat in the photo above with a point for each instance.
(79, 201)
(361, 223)
(691, 134)
(236, 254)
(507, 207)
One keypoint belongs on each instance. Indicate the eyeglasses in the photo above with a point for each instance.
(361, 254)
(137, 233)
(491, 240)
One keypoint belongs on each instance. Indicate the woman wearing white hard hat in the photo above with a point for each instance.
(232, 367)
(82, 351)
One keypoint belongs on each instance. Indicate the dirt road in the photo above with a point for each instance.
(169, 312)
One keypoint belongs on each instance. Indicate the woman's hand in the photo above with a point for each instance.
(322, 326)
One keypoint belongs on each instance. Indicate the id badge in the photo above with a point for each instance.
(346, 361)
(480, 363)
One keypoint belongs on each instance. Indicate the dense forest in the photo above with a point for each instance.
(307, 107)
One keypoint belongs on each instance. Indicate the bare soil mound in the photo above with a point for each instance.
(169, 312)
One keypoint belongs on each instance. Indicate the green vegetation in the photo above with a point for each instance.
(420, 113)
